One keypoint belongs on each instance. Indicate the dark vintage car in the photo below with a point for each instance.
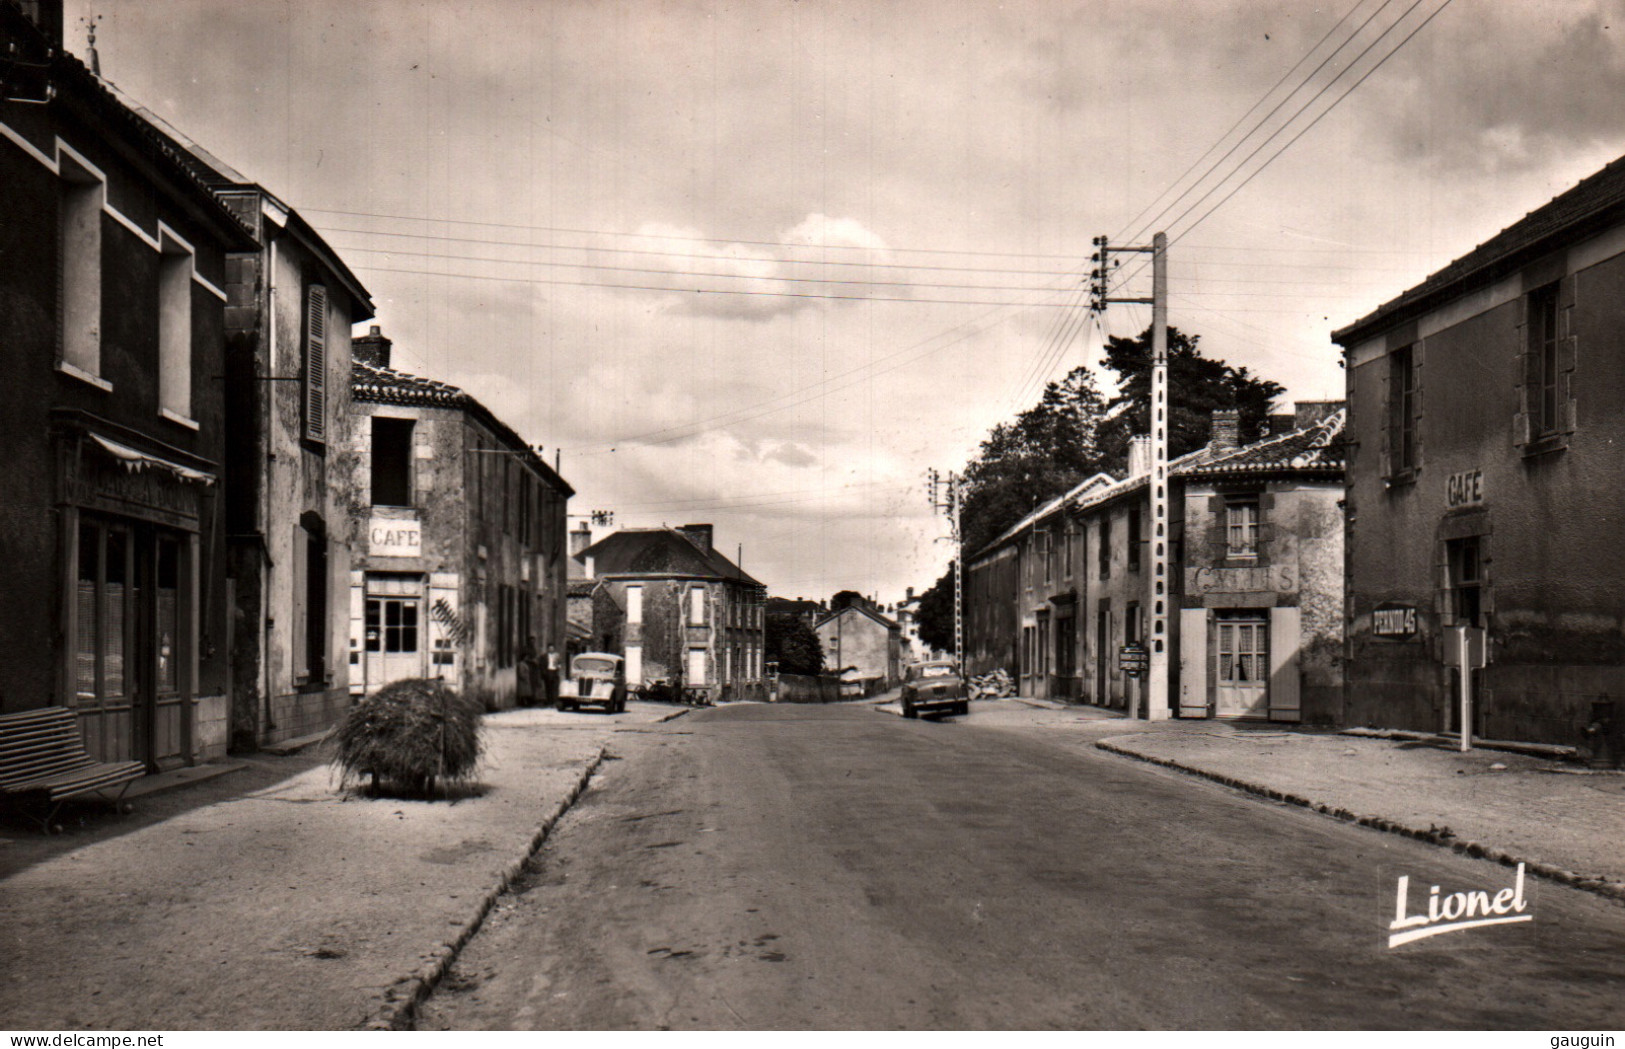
(596, 679)
(933, 688)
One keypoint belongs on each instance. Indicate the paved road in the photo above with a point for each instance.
(840, 867)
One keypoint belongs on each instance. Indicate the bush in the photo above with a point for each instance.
(408, 735)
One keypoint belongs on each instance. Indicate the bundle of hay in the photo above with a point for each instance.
(408, 735)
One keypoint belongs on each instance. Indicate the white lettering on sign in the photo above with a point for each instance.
(392, 538)
(1394, 622)
(1464, 489)
(1280, 578)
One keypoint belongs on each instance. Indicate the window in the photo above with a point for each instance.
(392, 624)
(80, 262)
(1403, 404)
(1133, 624)
(391, 462)
(1465, 565)
(1241, 527)
(634, 665)
(1134, 539)
(696, 667)
(1066, 551)
(696, 606)
(175, 329)
(103, 611)
(315, 363)
(634, 605)
(1545, 393)
(1105, 551)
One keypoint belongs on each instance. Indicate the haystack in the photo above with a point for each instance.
(409, 735)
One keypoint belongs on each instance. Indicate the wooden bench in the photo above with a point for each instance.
(43, 754)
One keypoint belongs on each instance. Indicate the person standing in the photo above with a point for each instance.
(526, 674)
(550, 676)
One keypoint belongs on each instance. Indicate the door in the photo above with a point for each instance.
(1242, 653)
(394, 640)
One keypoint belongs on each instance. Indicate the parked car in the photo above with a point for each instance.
(934, 687)
(596, 679)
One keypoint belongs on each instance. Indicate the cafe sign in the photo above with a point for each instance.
(391, 537)
(1464, 489)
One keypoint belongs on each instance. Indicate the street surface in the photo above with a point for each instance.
(840, 867)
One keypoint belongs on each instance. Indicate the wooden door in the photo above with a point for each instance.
(1242, 651)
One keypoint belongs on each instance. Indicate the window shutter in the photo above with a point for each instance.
(1390, 393)
(1418, 358)
(316, 363)
(1567, 353)
(1528, 379)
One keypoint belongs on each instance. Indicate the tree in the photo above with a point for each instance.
(791, 643)
(1197, 387)
(936, 614)
(1047, 449)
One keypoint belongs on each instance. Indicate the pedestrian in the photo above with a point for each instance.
(526, 673)
(550, 676)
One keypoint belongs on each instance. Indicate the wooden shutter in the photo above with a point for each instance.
(1527, 377)
(1418, 355)
(316, 363)
(1567, 353)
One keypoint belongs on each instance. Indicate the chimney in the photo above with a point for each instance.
(46, 15)
(908, 595)
(580, 539)
(1226, 434)
(1312, 413)
(1139, 455)
(372, 348)
(699, 535)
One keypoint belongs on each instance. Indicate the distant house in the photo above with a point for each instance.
(1486, 481)
(113, 270)
(809, 612)
(458, 533)
(678, 610)
(861, 643)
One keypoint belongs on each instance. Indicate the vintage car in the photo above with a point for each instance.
(596, 679)
(933, 688)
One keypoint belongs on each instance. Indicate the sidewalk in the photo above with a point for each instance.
(289, 905)
(1565, 822)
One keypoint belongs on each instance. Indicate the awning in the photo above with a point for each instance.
(133, 460)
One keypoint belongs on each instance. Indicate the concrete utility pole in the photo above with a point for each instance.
(1158, 707)
(951, 504)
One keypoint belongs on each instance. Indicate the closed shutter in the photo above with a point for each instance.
(1193, 675)
(316, 363)
(1567, 354)
(1418, 358)
(1285, 671)
(1527, 376)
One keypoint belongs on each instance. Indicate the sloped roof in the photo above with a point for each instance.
(660, 551)
(580, 587)
(889, 624)
(375, 384)
(1600, 196)
(1313, 449)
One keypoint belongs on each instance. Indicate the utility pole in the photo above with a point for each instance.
(950, 503)
(1158, 707)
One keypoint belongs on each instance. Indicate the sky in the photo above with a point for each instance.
(765, 263)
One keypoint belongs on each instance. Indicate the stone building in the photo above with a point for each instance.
(112, 316)
(1487, 414)
(859, 640)
(1060, 599)
(458, 532)
(681, 612)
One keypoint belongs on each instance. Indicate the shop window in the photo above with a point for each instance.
(391, 462)
(1466, 575)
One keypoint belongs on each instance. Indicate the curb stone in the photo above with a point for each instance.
(401, 1000)
(1601, 886)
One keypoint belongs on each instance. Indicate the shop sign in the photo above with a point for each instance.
(1133, 659)
(1395, 622)
(391, 537)
(1274, 579)
(1464, 489)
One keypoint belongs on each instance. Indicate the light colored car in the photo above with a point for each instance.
(596, 679)
(934, 688)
